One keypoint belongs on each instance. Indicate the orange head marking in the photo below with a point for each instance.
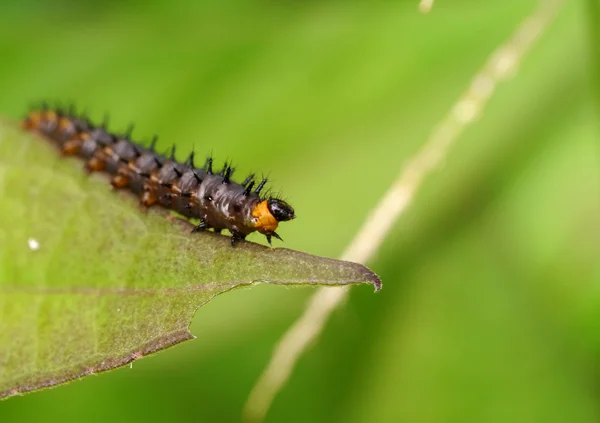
(268, 214)
(265, 221)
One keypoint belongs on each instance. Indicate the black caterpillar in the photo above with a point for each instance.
(213, 198)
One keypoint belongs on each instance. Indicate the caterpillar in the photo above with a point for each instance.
(213, 198)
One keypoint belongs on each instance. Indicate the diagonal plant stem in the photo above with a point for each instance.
(501, 64)
(425, 6)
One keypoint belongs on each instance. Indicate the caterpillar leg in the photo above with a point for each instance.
(200, 226)
(273, 234)
(235, 237)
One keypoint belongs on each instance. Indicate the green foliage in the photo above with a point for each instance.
(491, 306)
(593, 12)
(88, 283)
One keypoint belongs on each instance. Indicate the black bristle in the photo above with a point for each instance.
(248, 189)
(225, 166)
(167, 152)
(196, 176)
(227, 176)
(260, 186)
(105, 121)
(190, 160)
(129, 131)
(152, 146)
(208, 166)
(248, 179)
(136, 150)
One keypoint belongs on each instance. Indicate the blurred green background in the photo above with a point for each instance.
(490, 310)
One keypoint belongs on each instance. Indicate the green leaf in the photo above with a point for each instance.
(89, 283)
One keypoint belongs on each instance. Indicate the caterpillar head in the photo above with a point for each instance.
(268, 214)
(280, 210)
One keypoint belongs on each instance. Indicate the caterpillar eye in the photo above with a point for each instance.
(280, 210)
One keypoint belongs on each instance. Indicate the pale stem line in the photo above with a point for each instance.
(425, 6)
(501, 64)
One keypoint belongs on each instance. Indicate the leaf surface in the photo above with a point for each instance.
(88, 282)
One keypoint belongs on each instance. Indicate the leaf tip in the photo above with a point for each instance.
(367, 276)
(375, 280)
